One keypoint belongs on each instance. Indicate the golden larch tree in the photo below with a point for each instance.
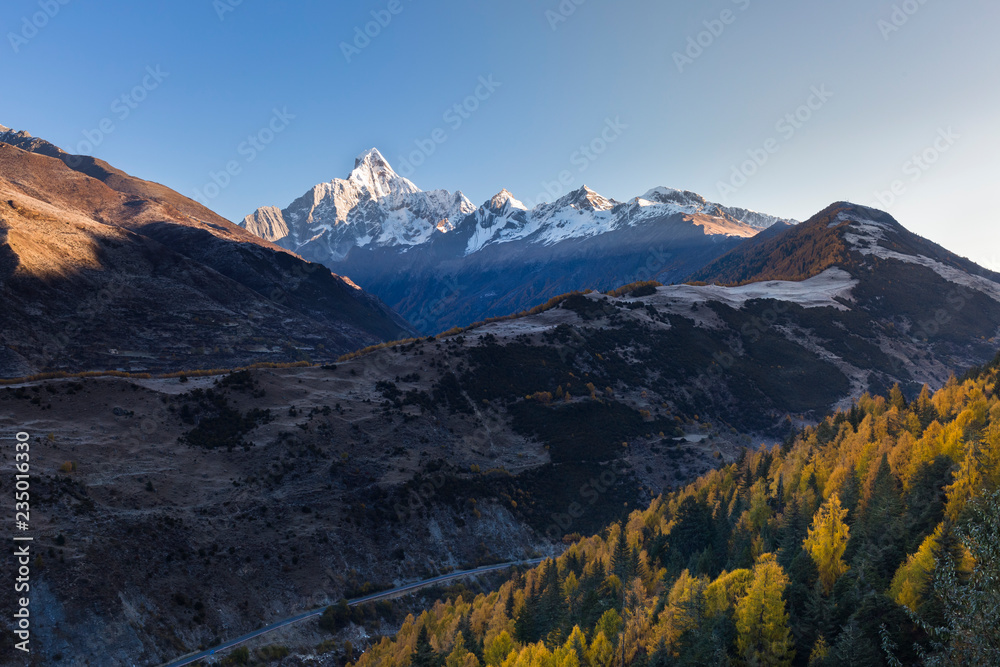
(827, 541)
(763, 637)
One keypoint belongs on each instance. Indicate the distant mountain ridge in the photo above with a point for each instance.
(375, 206)
(827, 239)
(399, 241)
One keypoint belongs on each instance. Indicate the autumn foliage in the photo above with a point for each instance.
(827, 542)
(868, 539)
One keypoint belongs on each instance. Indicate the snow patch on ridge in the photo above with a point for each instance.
(817, 292)
(867, 234)
(692, 203)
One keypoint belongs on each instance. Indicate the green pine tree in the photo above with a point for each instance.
(424, 654)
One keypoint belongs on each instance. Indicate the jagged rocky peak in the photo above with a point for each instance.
(503, 199)
(662, 195)
(373, 206)
(372, 156)
(693, 203)
(15, 136)
(586, 199)
(377, 207)
(23, 140)
(267, 222)
(374, 172)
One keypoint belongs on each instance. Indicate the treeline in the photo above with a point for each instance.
(870, 539)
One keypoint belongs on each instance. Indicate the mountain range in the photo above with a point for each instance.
(260, 494)
(182, 511)
(441, 262)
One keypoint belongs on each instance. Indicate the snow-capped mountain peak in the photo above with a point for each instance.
(504, 199)
(373, 171)
(580, 214)
(692, 203)
(372, 156)
(662, 195)
(374, 207)
(585, 198)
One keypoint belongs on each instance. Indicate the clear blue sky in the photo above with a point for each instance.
(892, 93)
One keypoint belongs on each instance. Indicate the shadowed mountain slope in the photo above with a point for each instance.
(119, 273)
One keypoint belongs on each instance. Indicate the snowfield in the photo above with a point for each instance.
(816, 292)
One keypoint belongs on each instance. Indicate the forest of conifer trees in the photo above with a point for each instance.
(869, 539)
